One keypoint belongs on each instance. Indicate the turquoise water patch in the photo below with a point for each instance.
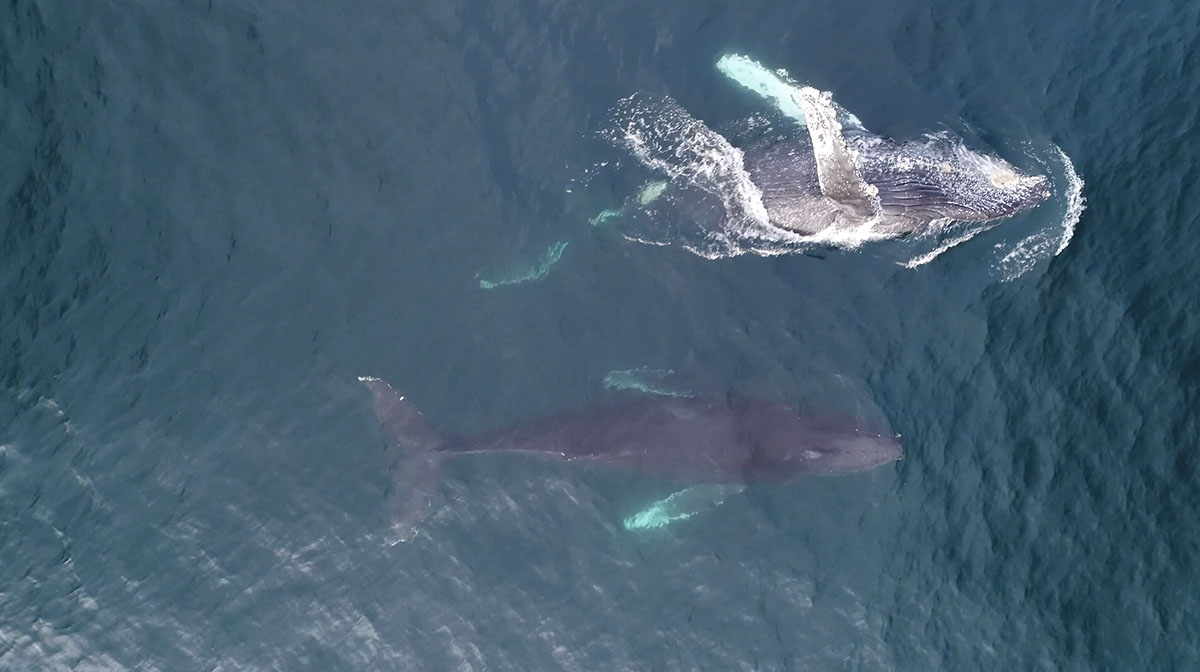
(643, 379)
(538, 270)
(650, 192)
(680, 505)
(605, 215)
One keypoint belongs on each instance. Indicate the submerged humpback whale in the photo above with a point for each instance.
(684, 439)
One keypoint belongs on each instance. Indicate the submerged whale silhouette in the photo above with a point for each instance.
(736, 440)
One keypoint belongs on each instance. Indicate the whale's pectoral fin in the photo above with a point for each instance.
(837, 163)
(681, 505)
(661, 382)
(525, 272)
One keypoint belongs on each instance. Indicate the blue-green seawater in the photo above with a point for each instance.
(216, 214)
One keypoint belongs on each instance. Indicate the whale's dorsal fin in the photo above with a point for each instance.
(837, 164)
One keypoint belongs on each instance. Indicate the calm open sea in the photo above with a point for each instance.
(216, 214)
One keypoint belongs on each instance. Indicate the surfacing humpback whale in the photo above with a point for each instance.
(836, 177)
(849, 176)
(682, 439)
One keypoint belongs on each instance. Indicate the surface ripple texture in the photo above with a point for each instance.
(215, 215)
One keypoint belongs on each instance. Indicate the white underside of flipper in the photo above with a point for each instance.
(772, 85)
(681, 505)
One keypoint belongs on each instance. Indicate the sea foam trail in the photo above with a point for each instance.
(667, 139)
(1051, 241)
(1075, 201)
(664, 137)
(922, 259)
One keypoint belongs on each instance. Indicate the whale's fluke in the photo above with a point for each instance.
(415, 471)
(837, 165)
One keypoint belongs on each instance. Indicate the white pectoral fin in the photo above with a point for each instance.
(681, 505)
(647, 380)
(837, 164)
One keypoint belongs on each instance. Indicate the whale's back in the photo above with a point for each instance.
(685, 439)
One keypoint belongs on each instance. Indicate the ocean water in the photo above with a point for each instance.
(217, 214)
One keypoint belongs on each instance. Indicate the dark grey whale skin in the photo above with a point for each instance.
(692, 440)
(917, 183)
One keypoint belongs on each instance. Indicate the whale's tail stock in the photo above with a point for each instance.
(415, 471)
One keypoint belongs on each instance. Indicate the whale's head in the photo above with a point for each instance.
(940, 180)
(848, 451)
(858, 451)
(784, 443)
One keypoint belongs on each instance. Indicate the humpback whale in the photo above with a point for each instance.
(817, 184)
(844, 175)
(690, 440)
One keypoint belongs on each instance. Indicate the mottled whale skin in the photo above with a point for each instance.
(914, 184)
(837, 177)
(847, 174)
(734, 440)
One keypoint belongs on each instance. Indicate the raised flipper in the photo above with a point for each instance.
(837, 164)
(681, 505)
(774, 85)
(415, 471)
(778, 87)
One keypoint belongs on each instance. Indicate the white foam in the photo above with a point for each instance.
(1051, 241)
(1075, 201)
(645, 241)
(696, 155)
(922, 259)
(850, 237)
(665, 138)
(1025, 255)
